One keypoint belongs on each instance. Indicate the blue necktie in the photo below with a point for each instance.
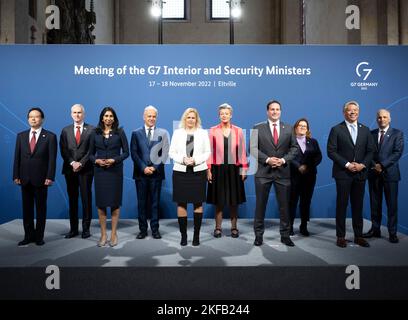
(353, 133)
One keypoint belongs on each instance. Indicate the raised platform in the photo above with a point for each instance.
(224, 268)
(317, 250)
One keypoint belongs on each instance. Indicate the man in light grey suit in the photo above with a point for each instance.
(274, 145)
(78, 170)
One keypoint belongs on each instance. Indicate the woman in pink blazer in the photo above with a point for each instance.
(227, 167)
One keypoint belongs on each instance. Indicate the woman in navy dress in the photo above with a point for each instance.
(109, 147)
(303, 174)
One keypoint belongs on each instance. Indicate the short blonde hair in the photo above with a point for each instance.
(225, 106)
(184, 117)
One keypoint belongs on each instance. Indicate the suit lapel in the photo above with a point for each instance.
(71, 136)
(84, 133)
(282, 129)
(268, 133)
(40, 140)
(359, 133)
(143, 136)
(26, 142)
(347, 133)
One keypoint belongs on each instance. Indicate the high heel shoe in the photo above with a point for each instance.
(102, 242)
(113, 243)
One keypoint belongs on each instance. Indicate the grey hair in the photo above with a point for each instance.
(349, 103)
(384, 110)
(78, 105)
(151, 108)
(225, 106)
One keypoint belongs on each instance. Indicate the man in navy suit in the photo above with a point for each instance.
(351, 147)
(34, 170)
(149, 149)
(385, 175)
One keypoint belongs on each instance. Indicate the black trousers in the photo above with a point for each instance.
(352, 189)
(34, 196)
(282, 190)
(79, 184)
(379, 187)
(301, 188)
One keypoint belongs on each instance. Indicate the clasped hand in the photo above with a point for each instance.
(188, 161)
(275, 162)
(356, 167)
(105, 162)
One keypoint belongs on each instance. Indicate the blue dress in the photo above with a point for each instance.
(109, 181)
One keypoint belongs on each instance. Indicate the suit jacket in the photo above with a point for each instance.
(70, 151)
(35, 168)
(341, 149)
(116, 148)
(311, 157)
(389, 153)
(145, 154)
(237, 147)
(262, 147)
(201, 149)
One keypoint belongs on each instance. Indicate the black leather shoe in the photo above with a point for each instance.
(287, 241)
(361, 242)
(85, 234)
(258, 241)
(372, 233)
(24, 242)
(393, 238)
(141, 235)
(341, 242)
(156, 235)
(303, 231)
(71, 234)
(40, 242)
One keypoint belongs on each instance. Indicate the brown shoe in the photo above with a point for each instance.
(361, 242)
(341, 242)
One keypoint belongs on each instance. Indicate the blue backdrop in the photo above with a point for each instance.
(45, 76)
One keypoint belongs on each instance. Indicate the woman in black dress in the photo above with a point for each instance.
(109, 147)
(303, 174)
(227, 167)
(189, 149)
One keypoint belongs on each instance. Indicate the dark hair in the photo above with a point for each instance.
(273, 101)
(308, 133)
(36, 109)
(101, 125)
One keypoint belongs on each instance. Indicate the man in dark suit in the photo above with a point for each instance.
(78, 170)
(384, 175)
(351, 147)
(34, 170)
(274, 145)
(149, 149)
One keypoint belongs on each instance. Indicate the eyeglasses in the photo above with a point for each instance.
(300, 126)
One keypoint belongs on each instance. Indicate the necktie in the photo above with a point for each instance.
(78, 134)
(275, 134)
(149, 134)
(353, 133)
(33, 142)
(381, 137)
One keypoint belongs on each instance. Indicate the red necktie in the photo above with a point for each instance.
(275, 134)
(78, 134)
(33, 142)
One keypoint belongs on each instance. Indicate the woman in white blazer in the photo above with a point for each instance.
(189, 149)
